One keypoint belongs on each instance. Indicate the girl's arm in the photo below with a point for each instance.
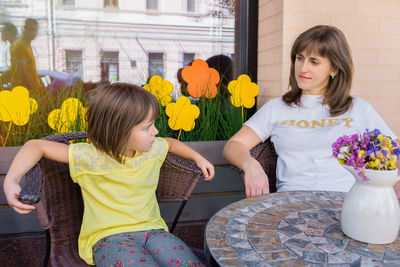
(178, 148)
(237, 152)
(24, 160)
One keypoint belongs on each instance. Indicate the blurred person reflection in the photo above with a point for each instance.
(23, 64)
(8, 36)
(223, 64)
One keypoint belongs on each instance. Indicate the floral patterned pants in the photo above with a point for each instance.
(144, 248)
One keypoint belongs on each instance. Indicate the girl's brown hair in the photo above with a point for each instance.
(331, 43)
(113, 110)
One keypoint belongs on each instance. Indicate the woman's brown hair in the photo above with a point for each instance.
(331, 43)
(113, 110)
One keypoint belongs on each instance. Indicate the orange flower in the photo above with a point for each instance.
(201, 80)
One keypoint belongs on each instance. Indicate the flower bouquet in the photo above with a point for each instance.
(370, 211)
(371, 150)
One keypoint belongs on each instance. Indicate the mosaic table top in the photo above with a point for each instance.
(299, 228)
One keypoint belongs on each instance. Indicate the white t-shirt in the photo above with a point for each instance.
(303, 138)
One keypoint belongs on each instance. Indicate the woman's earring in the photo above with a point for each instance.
(332, 76)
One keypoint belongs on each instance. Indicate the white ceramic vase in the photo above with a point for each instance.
(370, 211)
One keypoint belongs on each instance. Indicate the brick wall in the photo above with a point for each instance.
(372, 28)
(270, 41)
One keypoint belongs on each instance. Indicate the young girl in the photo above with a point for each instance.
(305, 122)
(118, 174)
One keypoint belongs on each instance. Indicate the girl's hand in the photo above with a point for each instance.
(12, 190)
(255, 179)
(207, 168)
(184, 151)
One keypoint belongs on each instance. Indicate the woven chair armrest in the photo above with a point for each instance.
(33, 181)
(66, 137)
(182, 163)
(32, 185)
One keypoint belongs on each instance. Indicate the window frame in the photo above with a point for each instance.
(110, 4)
(148, 4)
(107, 62)
(186, 63)
(156, 72)
(194, 6)
(66, 51)
(68, 4)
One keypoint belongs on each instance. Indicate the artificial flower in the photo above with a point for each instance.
(160, 88)
(16, 106)
(371, 150)
(70, 117)
(243, 91)
(201, 80)
(182, 114)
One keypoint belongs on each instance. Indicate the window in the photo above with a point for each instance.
(109, 66)
(190, 5)
(110, 3)
(68, 2)
(152, 4)
(73, 61)
(187, 58)
(156, 64)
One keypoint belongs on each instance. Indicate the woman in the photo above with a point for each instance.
(305, 121)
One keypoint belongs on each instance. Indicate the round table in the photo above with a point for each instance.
(300, 228)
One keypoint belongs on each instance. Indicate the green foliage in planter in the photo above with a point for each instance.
(37, 127)
(218, 120)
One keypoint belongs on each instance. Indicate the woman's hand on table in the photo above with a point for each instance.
(255, 179)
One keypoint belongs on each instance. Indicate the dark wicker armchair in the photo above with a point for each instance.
(266, 155)
(59, 205)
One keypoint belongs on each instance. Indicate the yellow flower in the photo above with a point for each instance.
(160, 88)
(392, 163)
(371, 164)
(182, 114)
(361, 153)
(68, 117)
(243, 91)
(16, 105)
(377, 162)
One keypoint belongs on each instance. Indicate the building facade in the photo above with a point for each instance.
(123, 40)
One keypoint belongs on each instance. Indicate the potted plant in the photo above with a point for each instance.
(370, 211)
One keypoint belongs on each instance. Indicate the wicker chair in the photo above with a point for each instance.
(59, 205)
(266, 155)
